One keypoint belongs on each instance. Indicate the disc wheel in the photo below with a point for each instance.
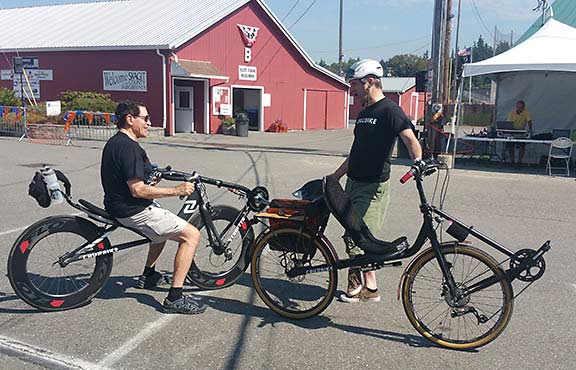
(302, 296)
(462, 322)
(40, 281)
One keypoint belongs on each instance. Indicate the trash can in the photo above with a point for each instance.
(242, 122)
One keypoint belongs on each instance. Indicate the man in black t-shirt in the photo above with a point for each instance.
(124, 172)
(368, 165)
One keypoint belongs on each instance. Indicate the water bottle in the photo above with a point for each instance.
(52, 184)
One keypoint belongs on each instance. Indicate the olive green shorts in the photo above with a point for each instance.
(370, 201)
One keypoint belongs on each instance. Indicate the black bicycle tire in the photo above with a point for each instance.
(18, 271)
(211, 281)
(429, 256)
(321, 248)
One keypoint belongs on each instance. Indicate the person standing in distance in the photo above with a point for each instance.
(124, 170)
(368, 164)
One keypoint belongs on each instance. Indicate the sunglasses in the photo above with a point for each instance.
(146, 118)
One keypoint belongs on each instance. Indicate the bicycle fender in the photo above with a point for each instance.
(404, 274)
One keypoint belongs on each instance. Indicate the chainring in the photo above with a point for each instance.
(531, 273)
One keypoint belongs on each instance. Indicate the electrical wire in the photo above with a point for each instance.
(303, 14)
(481, 20)
(290, 11)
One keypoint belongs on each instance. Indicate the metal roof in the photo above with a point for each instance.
(122, 24)
(397, 84)
(562, 10)
(139, 24)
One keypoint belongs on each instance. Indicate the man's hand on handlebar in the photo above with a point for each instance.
(184, 189)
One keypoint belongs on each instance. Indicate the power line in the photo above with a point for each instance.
(481, 20)
(303, 14)
(374, 47)
(290, 11)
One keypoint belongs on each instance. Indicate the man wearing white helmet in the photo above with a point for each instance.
(368, 164)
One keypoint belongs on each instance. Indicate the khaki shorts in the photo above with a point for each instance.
(156, 223)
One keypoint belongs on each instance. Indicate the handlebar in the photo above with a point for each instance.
(172, 175)
(422, 169)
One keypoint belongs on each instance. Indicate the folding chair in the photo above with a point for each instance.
(560, 151)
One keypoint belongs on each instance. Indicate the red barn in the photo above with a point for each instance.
(192, 62)
(402, 91)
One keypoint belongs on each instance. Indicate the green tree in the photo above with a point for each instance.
(336, 68)
(404, 65)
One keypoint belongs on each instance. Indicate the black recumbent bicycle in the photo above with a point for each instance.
(62, 262)
(454, 294)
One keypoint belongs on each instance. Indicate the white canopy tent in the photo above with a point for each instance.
(539, 71)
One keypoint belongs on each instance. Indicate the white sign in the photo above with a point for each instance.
(225, 109)
(21, 92)
(247, 73)
(53, 108)
(36, 74)
(125, 81)
(266, 100)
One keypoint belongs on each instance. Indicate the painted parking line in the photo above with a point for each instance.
(44, 357)
(134, 342)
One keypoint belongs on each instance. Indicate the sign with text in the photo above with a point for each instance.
(125, 81)
(53, 108)
(247, 73)
(221, 101)
(22, 90)
(36, 74)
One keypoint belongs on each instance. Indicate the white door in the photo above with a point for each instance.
(184, 107)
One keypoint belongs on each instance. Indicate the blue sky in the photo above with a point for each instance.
(379, 29)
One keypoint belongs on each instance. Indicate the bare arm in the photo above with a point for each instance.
(342, 170)
(412, 143)
(140, 190)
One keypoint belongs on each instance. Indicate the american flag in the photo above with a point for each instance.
(465, 52)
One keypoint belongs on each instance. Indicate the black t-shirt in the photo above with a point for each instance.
(123, 159)
(376, 128)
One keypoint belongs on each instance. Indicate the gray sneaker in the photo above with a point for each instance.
(186, 304)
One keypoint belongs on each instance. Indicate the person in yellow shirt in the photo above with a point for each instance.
(521, 120)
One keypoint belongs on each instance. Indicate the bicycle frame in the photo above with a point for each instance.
(193, 203)
(428, 232)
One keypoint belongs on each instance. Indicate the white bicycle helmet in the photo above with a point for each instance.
(364, 68)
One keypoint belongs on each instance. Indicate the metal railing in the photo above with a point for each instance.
(12, 120)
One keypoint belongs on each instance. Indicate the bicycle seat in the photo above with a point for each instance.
(96, 210)
(340, 205)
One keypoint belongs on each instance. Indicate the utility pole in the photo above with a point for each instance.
(340, 54)
(446, 53)
(436, 52)
(456, 57)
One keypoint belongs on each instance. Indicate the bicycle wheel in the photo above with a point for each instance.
(472, 321)
(300, 297)
(210, 270)
(40, 281)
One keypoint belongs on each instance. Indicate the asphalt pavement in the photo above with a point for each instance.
(124, 328)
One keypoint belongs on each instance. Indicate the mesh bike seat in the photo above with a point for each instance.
(341, 207)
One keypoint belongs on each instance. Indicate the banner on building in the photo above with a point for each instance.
(125, 81)
(221, 101)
